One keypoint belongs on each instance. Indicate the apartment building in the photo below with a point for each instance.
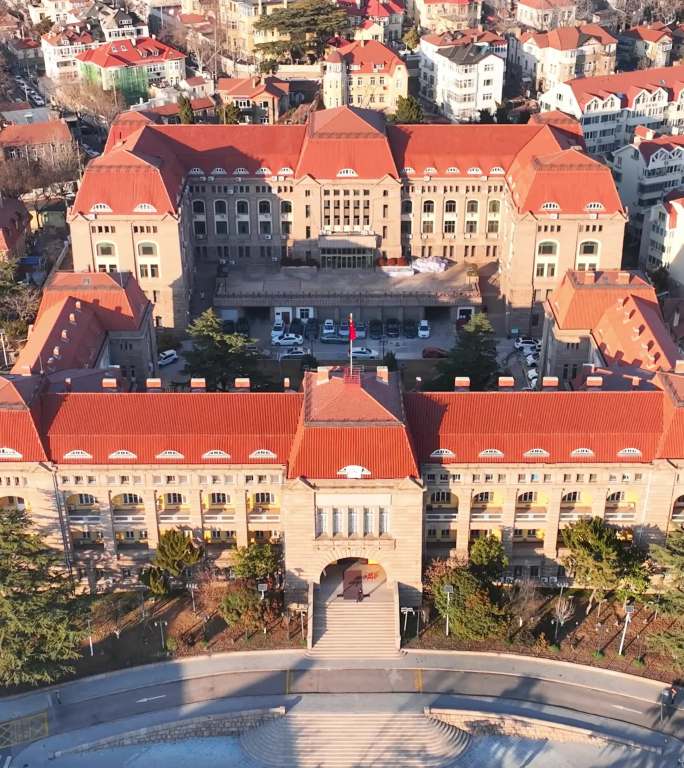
(131, 66)
(609, 108)
(349, 467)
(366, 74)
(662, 237)
(342, 192)
(35, 141)
(381, 20)
(545, 15)
(441, 16)
(461, 80)
(606, 323)
(546, 59)
(238, 18)
(60, 47)
(261, 100)
(646, 170)
(645, 46)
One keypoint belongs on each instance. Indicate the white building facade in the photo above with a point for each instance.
(662, 238)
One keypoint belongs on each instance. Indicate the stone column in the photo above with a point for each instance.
(508, 519)
(463, 524)
(151, 523)
(241, 533)
(196, 499)
(552, 523)
(598, 501)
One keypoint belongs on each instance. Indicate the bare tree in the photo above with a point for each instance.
(523, 599)
(563, 611)
(90, 99)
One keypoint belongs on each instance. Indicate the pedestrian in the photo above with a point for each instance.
(359, 598)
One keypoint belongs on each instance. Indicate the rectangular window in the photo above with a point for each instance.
(383, 521)
(321, 522)
(352, 522)
(367, 522)
(336, 521)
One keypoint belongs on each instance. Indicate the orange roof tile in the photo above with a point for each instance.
(18, 420)
(29, 134)
(142, 51)
(628, 84)
(370, 57)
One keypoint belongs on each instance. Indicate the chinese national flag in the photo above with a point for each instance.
(352, 329)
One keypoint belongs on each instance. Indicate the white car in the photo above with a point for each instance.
(277, 330)
(365, 353)
(524, 341)
(167, 357)
(329, 328)
(295, 352)
(533, 383)
(287, 340)
(423, 329)
(533, 373)
(532, 359)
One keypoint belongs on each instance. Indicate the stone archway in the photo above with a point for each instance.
(353, 578)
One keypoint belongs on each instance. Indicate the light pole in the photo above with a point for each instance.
(628, 617)
(192, 587)
(4, 348)
(90, 639)
(161, 624)
(406, 612)
(448, 590)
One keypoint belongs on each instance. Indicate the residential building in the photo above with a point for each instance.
(350, 467)
(462, 80)
(25, 55)
(119, 23)
(366, 74)
(545, 15)
(330, 193)
(238, 18)
(35, 141)
(645, 46)
(546, 59)
(22, 113)
(131, 66)
(15, 226)
(262, 100)
(60, 47)
(647, 170)
(63, 11)
(677, 53)
(609, 108)
(385, 16)
(91, 321)
(447, 15)
(606, 323)
(662, 238)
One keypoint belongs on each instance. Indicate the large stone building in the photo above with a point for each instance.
(544, 15)
(447, 15)
(340, 193)
(351, 467)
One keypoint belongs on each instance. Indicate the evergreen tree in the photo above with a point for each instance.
(220, 357)
(241, 605)
(408, 110)
(304, 28)
(669, 642)
(486, 117)
(488, 558)
(176, 552)
(186, 115)
(268, 67)
(671, 558)
(411, 39)
(229, 114)
(474, 355)
(255, 562)
(40, 620)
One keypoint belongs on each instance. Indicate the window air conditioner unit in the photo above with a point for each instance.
(267, 237)
(231, 191)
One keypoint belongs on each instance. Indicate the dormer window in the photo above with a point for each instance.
(629, 453)
(263, 171)
(346, 172)
(215, 453)
(196, 172)
(286, 171)
(497, 170)
(408, 170)
(168, 454)
(262, 453)
(536, 453)
(101, 208)
(240, 172)
(442, 453)
(144, 208)
(491, 453)
(219, 172)
(581, 453)
(474, 171)
(452, 169)
(9, 453)
(77, 453)
(354, 472)
(430, 170)
(595, 206)
(122, 454)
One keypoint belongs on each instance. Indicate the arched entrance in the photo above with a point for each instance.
(353, 578)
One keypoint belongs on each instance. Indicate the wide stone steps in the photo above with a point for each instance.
(343, 629)
(355, 740)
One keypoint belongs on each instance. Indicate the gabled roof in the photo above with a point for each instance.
(31, 134)
(570, 38)
(627, 85)
(547, 5)
(650, 34)
(18, 419)
(369, 57)
(14, 222)
(138, 52)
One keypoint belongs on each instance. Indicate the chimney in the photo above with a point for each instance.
(636, 382)
(549, 382)
(198, 385)
(25, 370)
(623, 277)
(242, 384)
(382, 374)
(589, 277)
(679, 366)
(636, 332)
(286, 383)
(461, 383)
(153, 385)
(322, 374)
(55, 352)
(110, 385)
(594, 382)
(506, 382)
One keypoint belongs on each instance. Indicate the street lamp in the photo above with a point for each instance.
(629, 610)
(406, 612)
(192, 586)
(161, 624)
(90, 638)
(448, 590)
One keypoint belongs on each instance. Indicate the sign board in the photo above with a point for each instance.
(629, 609)
(448, 589)
(262, 587)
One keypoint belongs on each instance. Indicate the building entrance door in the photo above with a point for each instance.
(352, 586)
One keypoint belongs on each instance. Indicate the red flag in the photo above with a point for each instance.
(352, 329)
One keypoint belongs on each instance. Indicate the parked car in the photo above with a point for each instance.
(392, 328)
(533, 373)
(329, 327)
(533, 382)
(255, 350)
(410, 329)
(167, 357)
(430, 352)
(242, 326)
(278, 329)
(424, 329)
(311, 328)
(361, 330)
(533, 359)
(295, 353)
(287, 340)
(375, 329)
(524, 341)
(364, 352)
(297, 326)
(344, 329)
(333, 339)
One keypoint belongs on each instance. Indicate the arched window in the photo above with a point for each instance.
(129, 498)
(475, 171)
(550, 206)
(264, 497)
(594, 206)
(77, 453)
(147, 249)
(571, 497)
(536, 453)
(144, 208)
(240, 172)
(442, 453)
(497, 170)
(491, 453)
(9, 453)
(215, 453)
(198, 207)
(578, 453)
(169, 454)
(346, 172)
(173, 499)
(484, 497)
(218, 499)
(629, 453)
(220, 207)
(285, 171)
(262, 453)
(547, 248)
(494, 206)
(527, 497)
(354, 472)
(82, 499)
(122, 454)
(428, 206)
(407, 206)
(264, 208)
(263, 171)
(105, 249)
(101, 207)
(242, 208)
(440, 497)
(430, 170)
(450, 206)
(472, 206)
(218, 171)
(407, 171)
(615, 497)
(285, 206)
(589, 248)
(452, 169)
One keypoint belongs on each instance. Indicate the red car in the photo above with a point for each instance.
(434, 352)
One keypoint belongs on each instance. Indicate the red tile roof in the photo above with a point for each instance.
(251, 87)
(73, 34)
(30, 134)
(14, 222)
(547, 5)
(18, 430)
(167, 110)
(628, 84)
(570, 38)
(368, 57)
(140, 52)
(651, 34)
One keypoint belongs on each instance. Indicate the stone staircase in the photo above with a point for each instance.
(347, 629)
(358, 740)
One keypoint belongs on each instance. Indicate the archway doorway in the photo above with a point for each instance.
(353, 578)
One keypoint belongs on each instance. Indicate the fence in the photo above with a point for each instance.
(23, 729)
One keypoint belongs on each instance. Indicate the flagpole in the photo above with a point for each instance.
(351, 341)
